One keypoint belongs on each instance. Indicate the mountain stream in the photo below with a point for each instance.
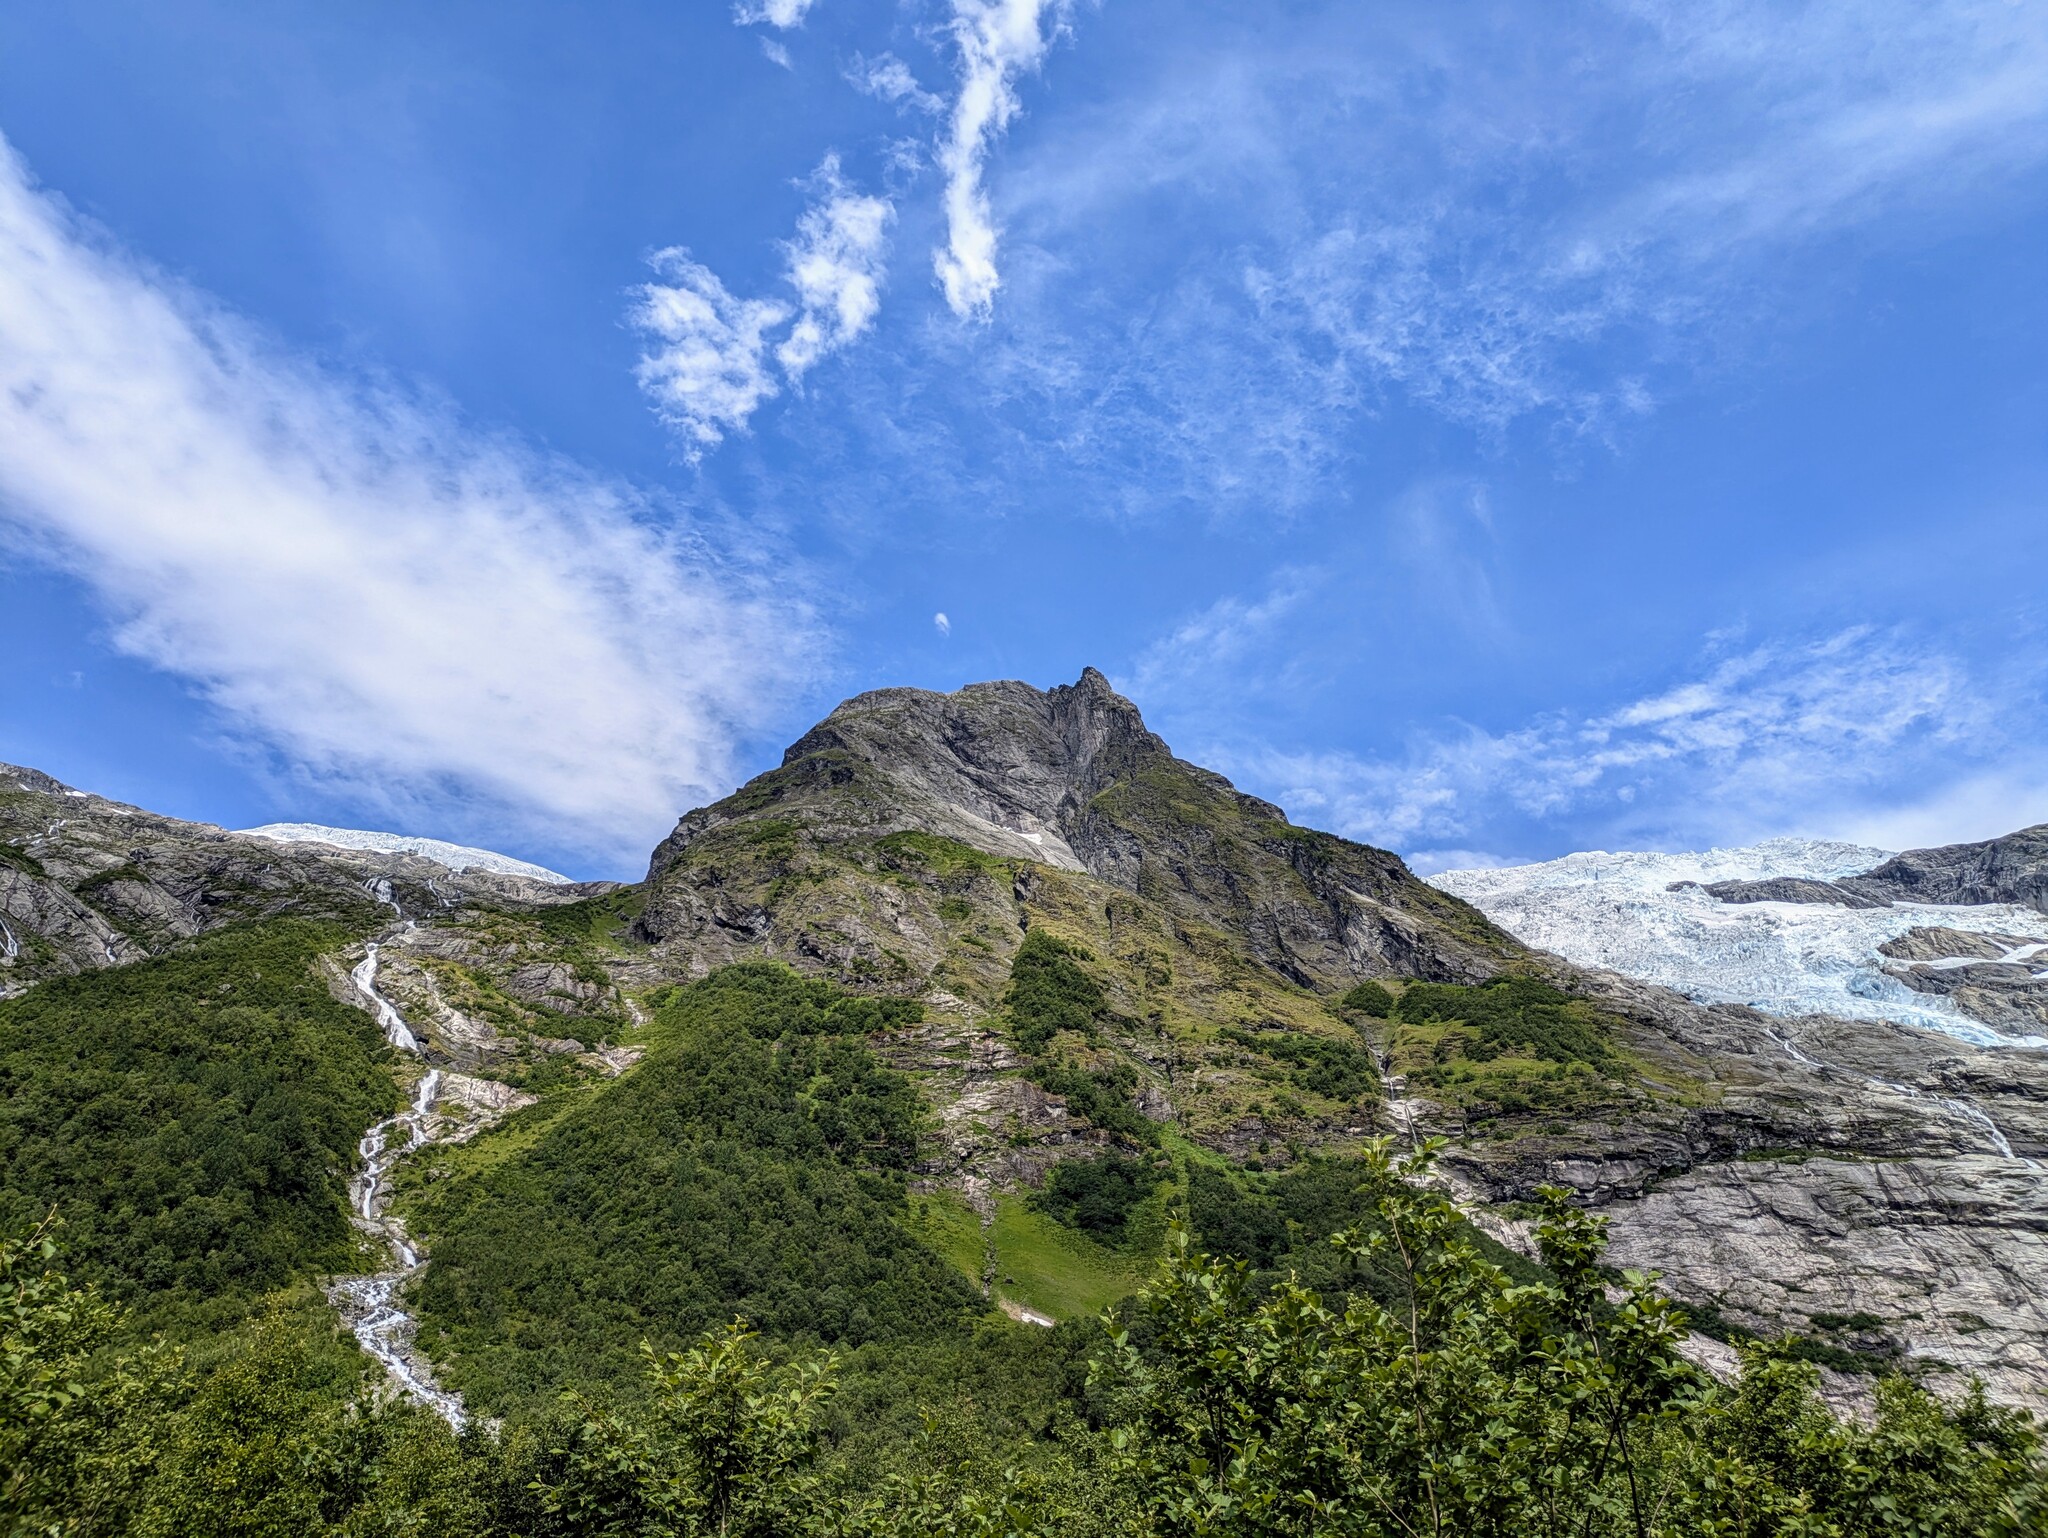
(370, 1305)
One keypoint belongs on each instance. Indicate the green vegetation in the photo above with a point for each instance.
(99, 881)
(1322, 1065)
(1098, 1195)
(1368, 998)
(1511, 1016)
(192, 1119)
(944, 857)
(1515, 1046)
(597, 921)
(751, 1164)
(1050, 993)
(18, 858)
(1056, 1270)
(1468, 1402)
(1099, 1096)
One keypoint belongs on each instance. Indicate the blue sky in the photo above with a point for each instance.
(1489, 430)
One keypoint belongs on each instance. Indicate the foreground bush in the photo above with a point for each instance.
(1466, 1403)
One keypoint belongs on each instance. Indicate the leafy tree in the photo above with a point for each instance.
(1049, 992)
(727, 1446)
(1097, 1195)
(73, 1433)
(192, 1118)
(1368, 998)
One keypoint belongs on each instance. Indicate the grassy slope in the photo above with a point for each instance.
(192, 1119)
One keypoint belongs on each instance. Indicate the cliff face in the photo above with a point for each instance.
(87, 883)
(2012, 869)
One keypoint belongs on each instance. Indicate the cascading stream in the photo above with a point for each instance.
(389, 1020)
(370, 1304)
(1966, 1110)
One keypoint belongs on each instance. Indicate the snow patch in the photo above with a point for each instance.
(457, 857)
(1617, 911)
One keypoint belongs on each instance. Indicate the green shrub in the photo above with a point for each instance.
(1050, 993)
(1368, 998)
(192, 1118)
(1096, 1195)
(1511, 1016)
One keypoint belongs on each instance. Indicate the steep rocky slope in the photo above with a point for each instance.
(1109, 948)
(1858, 1179)
(2011, 869)
(86, 882)
(910, 841)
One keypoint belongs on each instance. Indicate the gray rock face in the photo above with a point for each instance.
(1792, 889)
(2012, 869)
(1068, 778)
(1946, 1254)
(87, 883)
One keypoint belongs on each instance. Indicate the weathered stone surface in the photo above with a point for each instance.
(1948, 1253)
(1791, 889)
(2012, 869)
(1067, 778)
(86, 882)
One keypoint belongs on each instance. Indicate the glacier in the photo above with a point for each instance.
(457, 857)
(1617, 910)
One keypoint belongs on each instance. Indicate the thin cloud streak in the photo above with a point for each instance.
(1251, 248)
(418, 617)
(776, 13)
(1817, 737)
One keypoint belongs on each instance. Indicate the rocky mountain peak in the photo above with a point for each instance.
(1068, 780)
(1003, 767)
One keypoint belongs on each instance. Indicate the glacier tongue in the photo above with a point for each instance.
(1616, 911)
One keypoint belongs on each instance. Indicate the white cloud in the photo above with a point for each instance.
(941, 624)
(1190, 661)
(427, 619)
(710, 369)
(998, 40)
(835, 265)
(888, 78)
(776, 54)
(1813, 737)
(776, 13)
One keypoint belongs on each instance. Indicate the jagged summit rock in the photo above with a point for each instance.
(1069, 779)
(1014, 770)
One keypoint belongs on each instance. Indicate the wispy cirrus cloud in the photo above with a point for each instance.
(997, 42)
(427, 619)
(776, 13)
(887, 78)
(1849, 734)
(1556, 223)
(714, 356)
